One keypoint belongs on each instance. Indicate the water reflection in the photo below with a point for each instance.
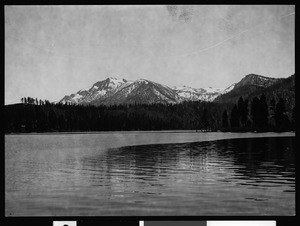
(270, 160)
(250, 176)
(200, 172)
(241, 158)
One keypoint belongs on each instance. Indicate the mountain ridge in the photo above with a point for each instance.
(114, 90)
(273, 88)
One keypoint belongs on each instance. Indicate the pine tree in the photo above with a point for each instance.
(255, 112)
(205, 119)
(225, 119)
(30, 100)
(263, 113)
(293, 118)
(53, 119)
(281, 118)
(243, 111)
(234, 117)
(272, 108)
(240, 106)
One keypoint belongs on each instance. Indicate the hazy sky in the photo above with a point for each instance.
(51, 51)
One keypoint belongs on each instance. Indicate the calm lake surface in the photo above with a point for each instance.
(150, 173)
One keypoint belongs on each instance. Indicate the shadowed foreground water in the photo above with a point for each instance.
(249, 176)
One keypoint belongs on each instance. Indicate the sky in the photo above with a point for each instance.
(53, 51)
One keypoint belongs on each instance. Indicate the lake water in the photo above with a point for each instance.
(150, 173)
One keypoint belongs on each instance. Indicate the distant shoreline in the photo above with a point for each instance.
(150, 131)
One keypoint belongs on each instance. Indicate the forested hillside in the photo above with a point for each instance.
(257, 114)
(283, 88)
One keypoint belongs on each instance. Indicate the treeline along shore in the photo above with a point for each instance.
(245, 115)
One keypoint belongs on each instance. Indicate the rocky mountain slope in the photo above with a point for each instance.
(113, 91)
(204, 94)
(121, 91)
(248, 86)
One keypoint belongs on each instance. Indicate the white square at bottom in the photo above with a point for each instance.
(241, 223)
(64, 223)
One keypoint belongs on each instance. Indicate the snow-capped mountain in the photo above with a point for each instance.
(204, 94)
(96, 91)
(139, 91)
(121, 91)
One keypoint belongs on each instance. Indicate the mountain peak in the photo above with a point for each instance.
(114, 90)
(114, 79)
(142, 80)
(255, 80)
(252, 75)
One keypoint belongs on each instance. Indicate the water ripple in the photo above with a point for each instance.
(224, 177)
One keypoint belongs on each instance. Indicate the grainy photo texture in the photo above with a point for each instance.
(158, 110)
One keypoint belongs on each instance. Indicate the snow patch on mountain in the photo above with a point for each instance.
(160, 96)
(141, 80)
(102, 92)
(77, 96)
(203, 94)
(228, 89)
(115, 91)
(86, 89)
(213, 90)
